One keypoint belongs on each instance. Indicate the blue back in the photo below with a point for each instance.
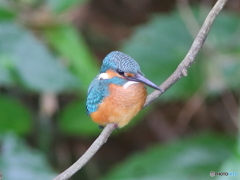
(98, 89)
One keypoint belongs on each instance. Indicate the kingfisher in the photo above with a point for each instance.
(118, 92)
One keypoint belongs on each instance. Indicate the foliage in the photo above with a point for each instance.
(63, 5)
(185, 159)
(55, 58)
(70, 45)
(14, 116)
(18, 161)
(232, 164)
(26, 61)
(74, 122)
(163, 42)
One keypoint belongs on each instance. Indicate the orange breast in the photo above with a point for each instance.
(121, 105)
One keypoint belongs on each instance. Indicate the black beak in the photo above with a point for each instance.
(140, 78)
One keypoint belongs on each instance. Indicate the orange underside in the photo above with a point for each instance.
(121, 105)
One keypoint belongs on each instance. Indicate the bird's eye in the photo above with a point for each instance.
(120, 72)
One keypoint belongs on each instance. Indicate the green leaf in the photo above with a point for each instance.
(73, 120)
(159, 46)
(232, 165)
(192, 158)
(223, 65)
(71, 45)
(63, 5)
(5, 76)
(224, 34)
(18, 161)
(6, 66)
(6, 12)
(221, 72)
(14, 116)
(35, 67)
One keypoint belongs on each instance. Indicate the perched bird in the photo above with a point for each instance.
(117, 93)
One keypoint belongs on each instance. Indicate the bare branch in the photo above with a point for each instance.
(102, 138)
(178, 73)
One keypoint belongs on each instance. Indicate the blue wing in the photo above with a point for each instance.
(98, 90)
(96, 93)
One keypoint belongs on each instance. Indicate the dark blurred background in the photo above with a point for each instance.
(50, 50)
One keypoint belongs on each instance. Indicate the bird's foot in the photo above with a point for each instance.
(116, 126)
(100, 126)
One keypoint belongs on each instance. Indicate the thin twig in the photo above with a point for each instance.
(192, 53)
(231, 106)
(190, 108)
(102, 138)
(178, 73)
(187, 16)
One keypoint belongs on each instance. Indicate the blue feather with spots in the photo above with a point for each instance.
(118, 60)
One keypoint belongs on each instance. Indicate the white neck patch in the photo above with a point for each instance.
(103, 76)
(129, 83)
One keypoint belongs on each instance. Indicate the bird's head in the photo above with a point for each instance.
(118, 64)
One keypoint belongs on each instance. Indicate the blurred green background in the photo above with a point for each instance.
(50, 50)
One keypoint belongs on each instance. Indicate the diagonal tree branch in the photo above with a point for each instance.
(192, 53)
(177, 74)
(102, 138)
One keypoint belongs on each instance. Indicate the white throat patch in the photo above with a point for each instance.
(103, 76)
(129, 83)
